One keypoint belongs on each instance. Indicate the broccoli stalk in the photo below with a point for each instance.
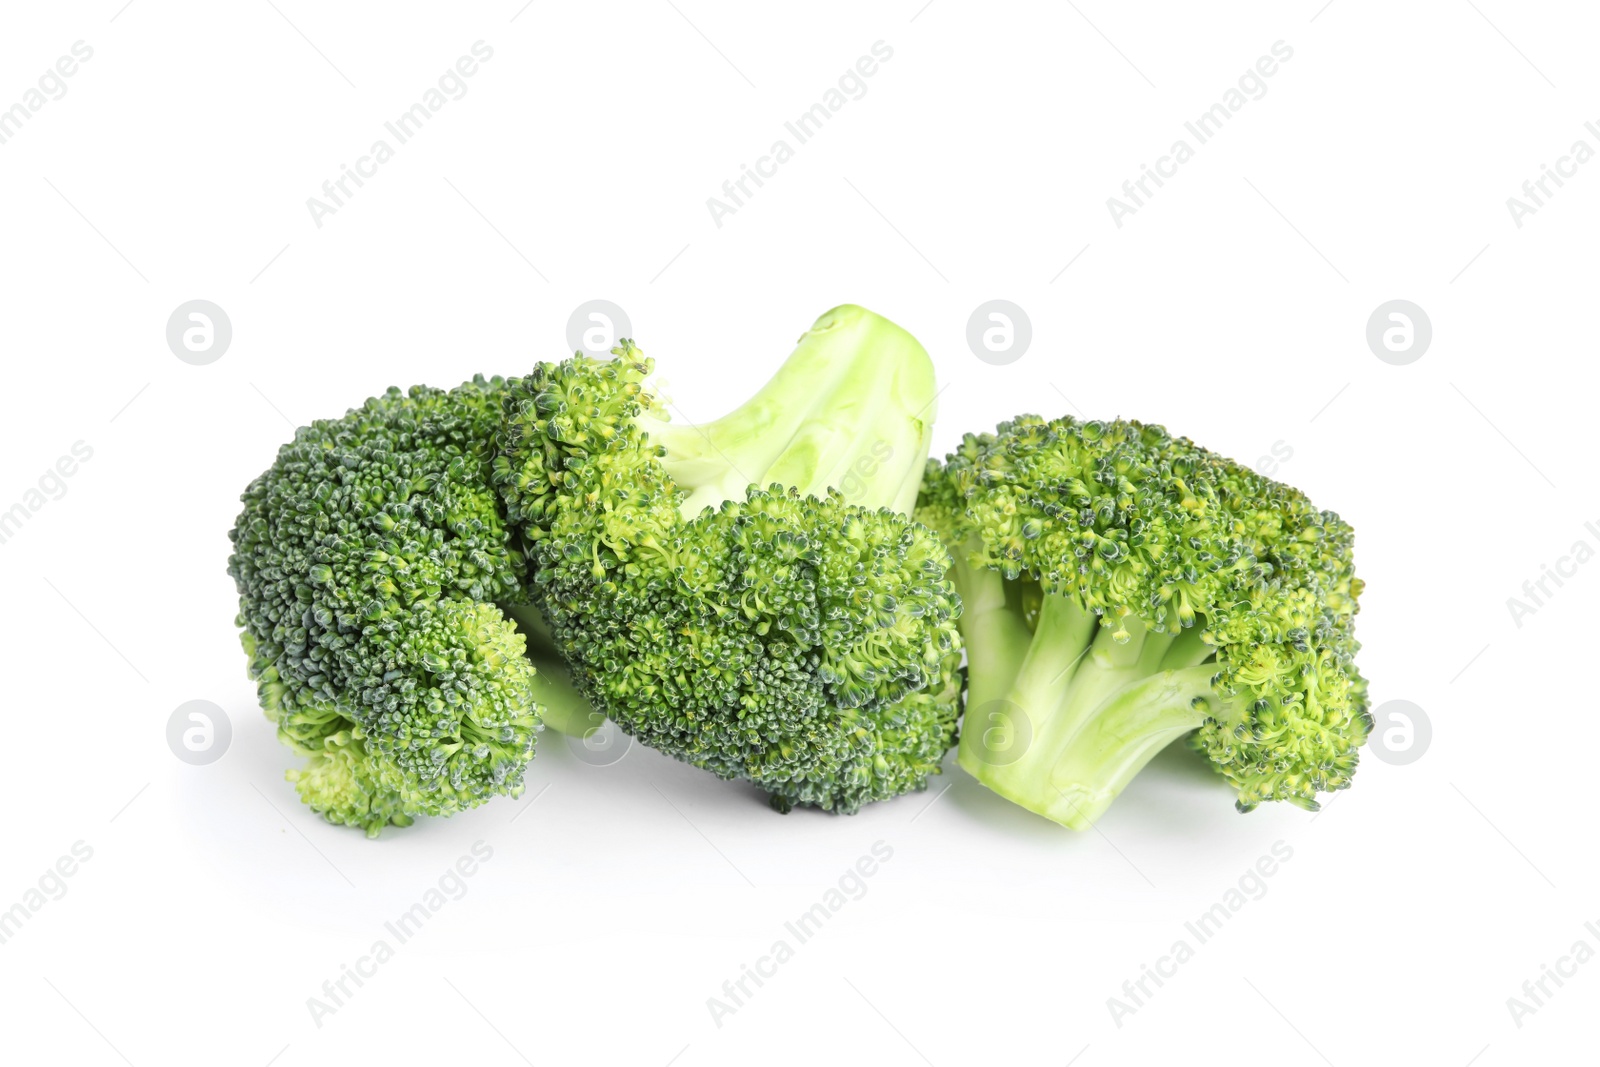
(1122, 589)
(1061, 714)
(851, 409)
(563, 707)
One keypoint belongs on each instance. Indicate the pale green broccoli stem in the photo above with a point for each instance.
(851, 409)
(1082, 712)
(563, 708)
(1122, 735)
(992, 628)
(1189, 649)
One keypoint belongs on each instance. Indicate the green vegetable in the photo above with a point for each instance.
(801, 636)
(366, 560)
(1124, 588)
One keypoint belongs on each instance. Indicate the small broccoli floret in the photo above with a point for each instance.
(802, 635)
(366, 558)
(342, 782)
(1123, 588)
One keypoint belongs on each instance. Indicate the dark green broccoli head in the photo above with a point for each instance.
(783, 636)
(365, 560)
(1124, 587)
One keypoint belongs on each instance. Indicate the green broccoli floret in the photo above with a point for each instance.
(1123, 588)
(800, 636)
(367, 559)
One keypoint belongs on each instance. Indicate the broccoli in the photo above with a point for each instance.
(800, 636)
(1123, 588)
(367, 560)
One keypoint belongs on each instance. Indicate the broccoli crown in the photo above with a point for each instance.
(1175, 589)
(797, 641)
(365, 559)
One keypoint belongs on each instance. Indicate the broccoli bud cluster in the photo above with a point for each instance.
(365, 558)
(799, 642)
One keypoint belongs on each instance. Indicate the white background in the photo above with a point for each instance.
(1232, 308)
